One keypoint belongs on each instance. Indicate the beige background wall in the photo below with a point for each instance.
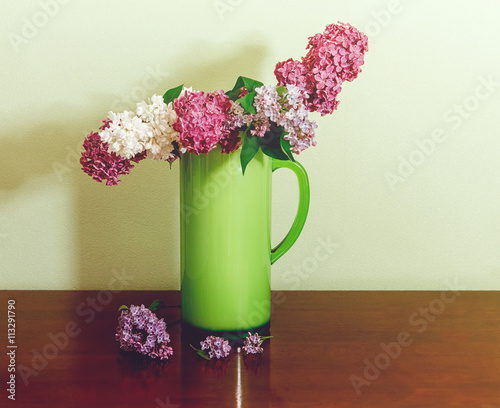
(405, 179)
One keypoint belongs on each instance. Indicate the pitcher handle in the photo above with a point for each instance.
(301, 216)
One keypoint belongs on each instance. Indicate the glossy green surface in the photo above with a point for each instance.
(226, 250)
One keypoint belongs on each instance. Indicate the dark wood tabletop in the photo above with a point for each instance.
(329, 349)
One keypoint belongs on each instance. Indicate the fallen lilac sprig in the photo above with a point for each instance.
(141, 331)
(213, 347)
(253, 342)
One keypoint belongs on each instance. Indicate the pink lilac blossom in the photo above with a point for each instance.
(291, 72)
(141, 331)
(244, 91)
(100, 164)
(334, 56)
(252, 344)
(217, 347)
(340, 46)
(202, 120)
(231, 143)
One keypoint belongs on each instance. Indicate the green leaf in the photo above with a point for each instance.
(201, 353)
(123, 307)
(249, 148)
(249, 84)
(233, 94)
(156, 305)
(281, 90)
(239, 83)
(271, 143)
(275, 153)
(271, 146)
(285, 146)
(247, 102)
(172, 94)
(204, 354)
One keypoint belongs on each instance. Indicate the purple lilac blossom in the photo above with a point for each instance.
(252, 344)
(140, 330)
(286, 109)
(217, 347)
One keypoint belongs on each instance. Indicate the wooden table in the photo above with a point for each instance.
(330, 349)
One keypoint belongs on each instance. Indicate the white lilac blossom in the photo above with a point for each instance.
(159, 118)
(140, 330)
(127, 135)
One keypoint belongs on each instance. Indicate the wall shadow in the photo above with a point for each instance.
(132, 227)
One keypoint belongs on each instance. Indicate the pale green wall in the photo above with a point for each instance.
(439, 225)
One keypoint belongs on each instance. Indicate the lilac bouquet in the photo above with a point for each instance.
(250, 117)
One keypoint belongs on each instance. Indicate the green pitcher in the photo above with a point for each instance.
(226, 252)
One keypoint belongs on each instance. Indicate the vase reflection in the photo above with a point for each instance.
(247, 375)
